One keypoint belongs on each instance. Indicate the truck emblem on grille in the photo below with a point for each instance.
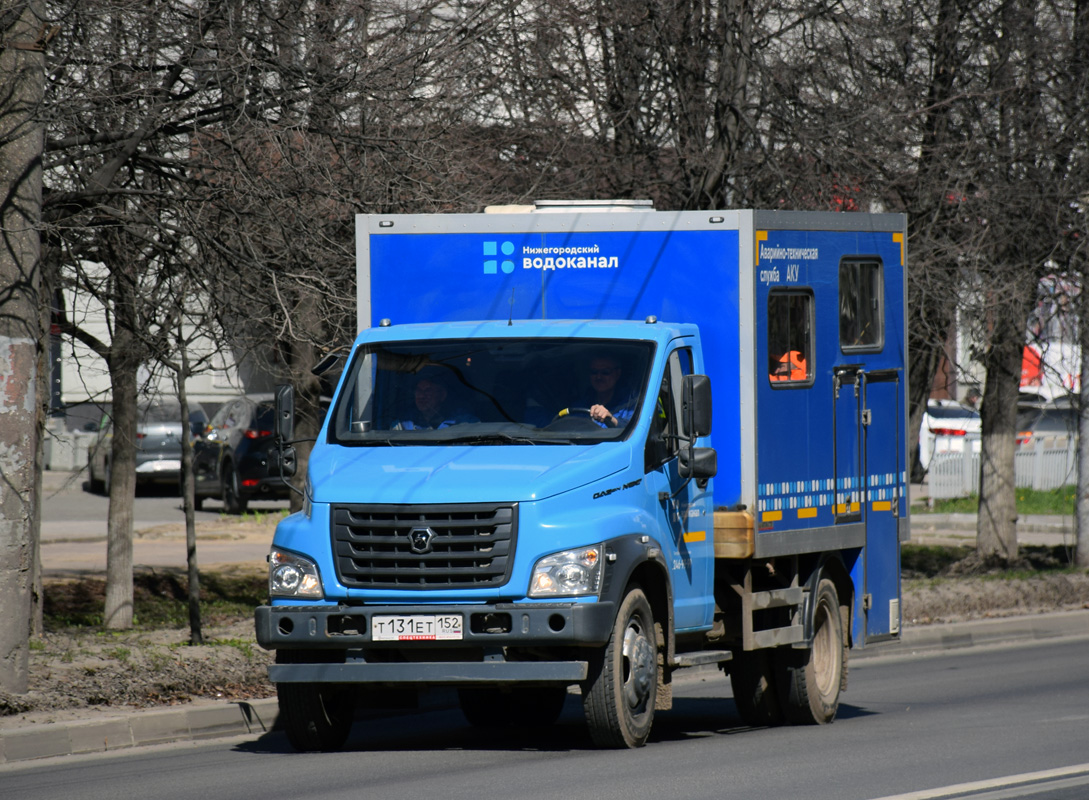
(419, 540)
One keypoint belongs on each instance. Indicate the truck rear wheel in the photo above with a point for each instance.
(618, 698)
(811, 679)
(535, 706)
(752, 678)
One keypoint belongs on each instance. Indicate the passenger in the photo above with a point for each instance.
(791, 367)
(430, 410)
(610, 407)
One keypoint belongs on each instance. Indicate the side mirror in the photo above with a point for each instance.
(699, 463)
(285, 413)
(282, 462)
(696, 406)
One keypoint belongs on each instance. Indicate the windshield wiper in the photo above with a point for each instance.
(486, 438)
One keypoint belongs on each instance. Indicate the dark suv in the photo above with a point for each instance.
(231, 459)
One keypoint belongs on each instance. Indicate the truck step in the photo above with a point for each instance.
(774, 637)
(700, 658)
(777, 598)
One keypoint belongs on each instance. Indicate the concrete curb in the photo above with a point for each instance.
(215, 719)
(133, 729)
(980, 633)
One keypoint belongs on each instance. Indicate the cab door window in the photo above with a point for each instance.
(662, 442)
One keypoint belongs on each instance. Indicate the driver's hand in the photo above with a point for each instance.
(599, 413)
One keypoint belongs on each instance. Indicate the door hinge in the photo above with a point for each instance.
(867, 602)
(866, 416)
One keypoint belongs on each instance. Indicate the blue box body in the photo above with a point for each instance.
(821, 469)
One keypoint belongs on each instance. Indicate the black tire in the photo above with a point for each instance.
(233, 501)
(315, 717)
(536, 706)
(811, 680)
(198, 502)
(96, 484)
(618, 697)
(107, 481)
(753, 680)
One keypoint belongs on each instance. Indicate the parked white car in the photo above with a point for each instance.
(946, 426)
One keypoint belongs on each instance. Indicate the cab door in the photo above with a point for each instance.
(683, 509)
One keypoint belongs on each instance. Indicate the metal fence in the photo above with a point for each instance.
(1047, 462)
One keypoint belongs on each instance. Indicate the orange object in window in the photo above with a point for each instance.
(791, 367)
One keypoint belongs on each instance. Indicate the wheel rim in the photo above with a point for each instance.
(639, 666)
(826, 652)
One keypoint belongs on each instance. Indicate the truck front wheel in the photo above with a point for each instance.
(618, 698)
(316, 717)
(811, 679)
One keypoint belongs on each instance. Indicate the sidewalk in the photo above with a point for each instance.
(211, 719)
(71, 548)
(1045, 530)
(960, 530)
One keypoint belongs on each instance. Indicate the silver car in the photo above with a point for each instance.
(158, 444)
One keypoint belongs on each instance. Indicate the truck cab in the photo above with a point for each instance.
(569, 513)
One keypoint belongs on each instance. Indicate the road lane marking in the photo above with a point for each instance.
(993, 783)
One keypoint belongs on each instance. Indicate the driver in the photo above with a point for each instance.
(430, 410)
(608, 408)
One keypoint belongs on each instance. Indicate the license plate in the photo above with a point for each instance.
(416, 628)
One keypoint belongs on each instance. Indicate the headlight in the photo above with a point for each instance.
(568, 574)
(290, 575)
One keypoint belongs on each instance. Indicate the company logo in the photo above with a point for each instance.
(492, 262)
(419, 540)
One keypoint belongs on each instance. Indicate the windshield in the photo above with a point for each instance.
(492, 391)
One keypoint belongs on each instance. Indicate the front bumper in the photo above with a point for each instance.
(484, 656)
(485, 625)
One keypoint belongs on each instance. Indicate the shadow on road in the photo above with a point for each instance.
(690, 718)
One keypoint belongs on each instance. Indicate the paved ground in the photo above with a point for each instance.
(209, 719)
(79, 548)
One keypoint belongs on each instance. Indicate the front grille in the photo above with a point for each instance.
(424, 547)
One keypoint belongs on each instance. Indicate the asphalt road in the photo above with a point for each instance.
(988, 723)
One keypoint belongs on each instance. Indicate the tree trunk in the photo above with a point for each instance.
(22, 76)
(1081, 502)
(996, 529)
(308, 417)
(122, 471)
(1079, 66)
(196, 634)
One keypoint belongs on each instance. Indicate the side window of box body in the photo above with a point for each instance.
(791, 348)
(861, 305)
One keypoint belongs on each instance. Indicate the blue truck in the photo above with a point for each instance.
(525, 483)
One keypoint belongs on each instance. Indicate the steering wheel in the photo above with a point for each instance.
(573, 411)
(575, 418)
